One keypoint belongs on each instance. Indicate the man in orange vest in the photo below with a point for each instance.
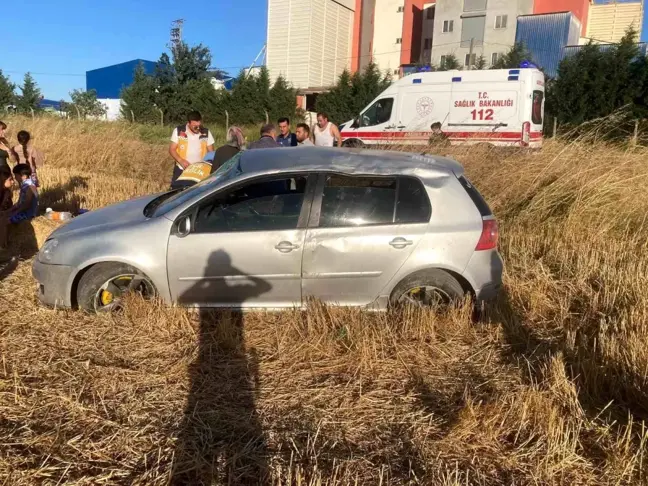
(190, 143)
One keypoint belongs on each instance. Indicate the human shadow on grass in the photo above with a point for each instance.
(62, 197)
(221, 440)
(22, 245)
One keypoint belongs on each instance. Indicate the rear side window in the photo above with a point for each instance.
(363, 201)
(477, 198)
(536, 109)
(357, 201)
(413, 205)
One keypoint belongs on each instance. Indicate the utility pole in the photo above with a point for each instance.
(470, 53)
(176, 33)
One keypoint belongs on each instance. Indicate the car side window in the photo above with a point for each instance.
(413, 204)
(269, 205)
(357, 201)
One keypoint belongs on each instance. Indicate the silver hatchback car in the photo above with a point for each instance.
(272, 228)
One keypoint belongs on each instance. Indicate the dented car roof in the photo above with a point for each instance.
(345, 160)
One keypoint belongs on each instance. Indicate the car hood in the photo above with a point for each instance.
(131, 211)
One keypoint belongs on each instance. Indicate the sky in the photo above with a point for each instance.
(58, 41)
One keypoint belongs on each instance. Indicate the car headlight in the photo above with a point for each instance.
(47, 252)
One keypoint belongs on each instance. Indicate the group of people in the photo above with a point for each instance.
(24, 157)
(192, 145)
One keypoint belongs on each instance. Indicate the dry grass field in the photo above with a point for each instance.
(549, 387)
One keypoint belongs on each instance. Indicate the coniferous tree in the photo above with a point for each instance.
(449, 63)
(513, 58)
(7, 92)
(283, 100)
(138, 99)
(481, 63)
(352, 94)
(30, 96)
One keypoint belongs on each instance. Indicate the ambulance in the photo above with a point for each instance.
(501, 107)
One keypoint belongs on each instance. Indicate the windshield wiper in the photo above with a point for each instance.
(150, 208)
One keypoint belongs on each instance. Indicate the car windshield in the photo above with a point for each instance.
(169, 201)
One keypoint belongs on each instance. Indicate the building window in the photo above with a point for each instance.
(472, 29)
(443, 62)
(399, 40)
(401, 9)
(430, 13)
(474, 5)
(448, 26)
(427, 43)
(396, 71)
(471, 60)
(501, 21)
(495, 56)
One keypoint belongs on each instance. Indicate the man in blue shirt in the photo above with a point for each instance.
(286, 138)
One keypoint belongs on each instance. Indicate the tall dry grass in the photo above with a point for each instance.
(548, 388)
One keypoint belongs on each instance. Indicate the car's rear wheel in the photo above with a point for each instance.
(428, 288)
(103, 287)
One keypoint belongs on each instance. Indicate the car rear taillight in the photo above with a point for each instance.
(489, 235)
(526, 134)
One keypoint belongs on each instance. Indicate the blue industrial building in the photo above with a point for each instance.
(546, 36)
(109, 81)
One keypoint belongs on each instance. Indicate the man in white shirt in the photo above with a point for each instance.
(189, 144)
(303, 135)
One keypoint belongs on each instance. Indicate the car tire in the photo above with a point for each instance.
(99, 275)
(445, 285)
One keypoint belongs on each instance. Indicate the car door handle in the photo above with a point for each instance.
(286, 247)
(400, 243)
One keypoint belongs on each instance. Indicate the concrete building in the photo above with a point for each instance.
(309, 41)
(427, 32)
(609, 21)
(489, 24)
(388, 38)
(388, 33)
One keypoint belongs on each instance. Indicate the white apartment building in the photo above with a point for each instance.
(309, 41)
(491, 25)
(388, 35)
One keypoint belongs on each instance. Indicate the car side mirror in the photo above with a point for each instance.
(356, 123)
(184, 226)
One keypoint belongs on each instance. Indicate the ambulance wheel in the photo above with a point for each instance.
(353, 143)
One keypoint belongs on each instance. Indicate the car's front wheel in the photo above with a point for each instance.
(103, 287)
(428, 288)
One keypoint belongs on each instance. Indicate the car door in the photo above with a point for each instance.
(362, 231)
(242, 247)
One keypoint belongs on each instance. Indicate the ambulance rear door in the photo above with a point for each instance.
(485, 111)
